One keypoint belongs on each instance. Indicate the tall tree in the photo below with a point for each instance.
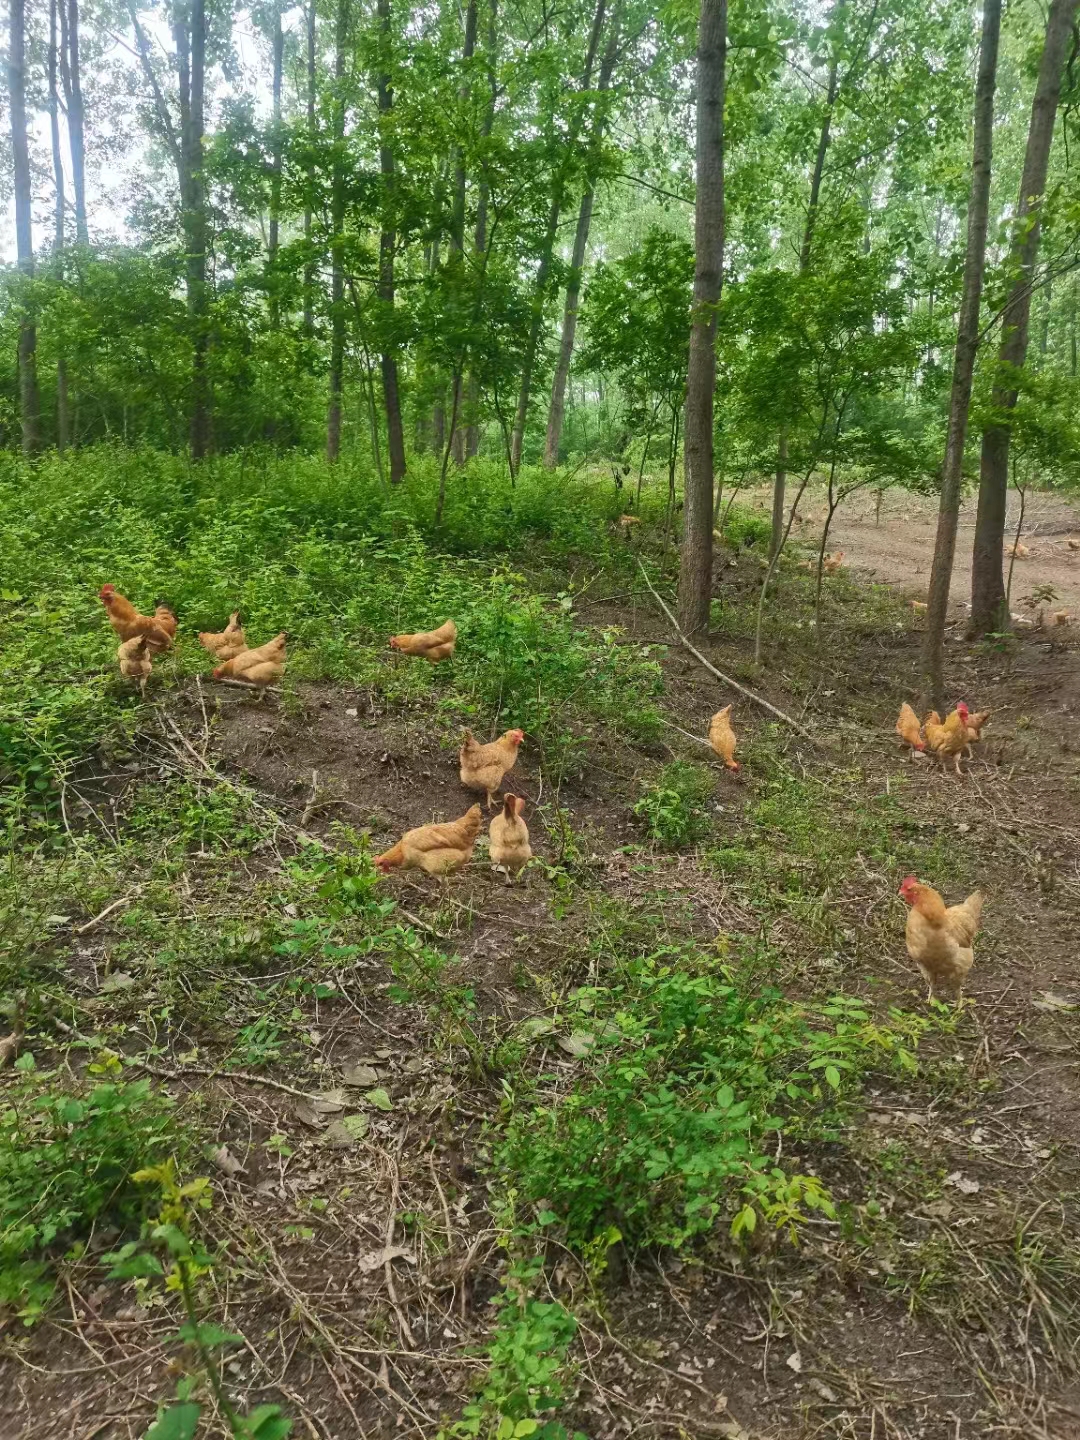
(29, 399)
(63, 421)
(337, 239)
(71, 75)
(988, 603)
(276, 140)
(395, 435)
(483, 200)
(557, 407)
(967, 344)
(190, 32)
(309, 263)
(695, 571)
(457, 221)
(543, 269)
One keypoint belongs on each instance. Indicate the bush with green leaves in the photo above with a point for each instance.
(67, 1157)
(686, 1078)
(675, 804)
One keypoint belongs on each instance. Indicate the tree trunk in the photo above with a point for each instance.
(557, 408)
(29, 399)
(276, 138)
(780, 482)
(988, 606)
(967, 344)
(395, 436)
(71, 75)
(547, 248)
(63, 421)
(337, 239)
(189, 32)
(483, 197)
(695, 571)
(457, 224)
(309, 267)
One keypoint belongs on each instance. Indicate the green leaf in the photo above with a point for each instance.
(266, 1422)
(209, 1335)
(179, 1422)
(832, 1075)
(379, 1098)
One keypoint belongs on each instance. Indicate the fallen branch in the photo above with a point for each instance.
(164, 1074)
(116, 904)
(246, 685)
(727, 680)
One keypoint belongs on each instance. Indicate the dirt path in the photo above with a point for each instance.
(898, 550)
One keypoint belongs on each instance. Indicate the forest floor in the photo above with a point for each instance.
(894, 543)
(362, 1050)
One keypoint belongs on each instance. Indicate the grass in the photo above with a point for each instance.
(656, 1048)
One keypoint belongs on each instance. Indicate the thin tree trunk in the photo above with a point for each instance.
(71, 74)
(189, 33)
(276, 139)
(457, 221)
(63, 421)
(29, 399)
(805, 251)
(483, 197)
(967, 344)
(695, 571)
(337, 239)
(557, 407)
(309, 267)
(546, 252)
(395, 436)
(988, 608)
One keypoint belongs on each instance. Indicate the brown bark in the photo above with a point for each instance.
(695, 570)
(483, 197)
(29, 399)
(457, 225)
(557, 407)
(967, 344)
(540, 288)
(63, 420)
(395, 436)
(337, 240)
(989, 610)
(190, 33)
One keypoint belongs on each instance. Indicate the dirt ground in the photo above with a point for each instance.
(895, 547)
(812, 1341)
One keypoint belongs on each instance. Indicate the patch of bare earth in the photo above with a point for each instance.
(361, 1276)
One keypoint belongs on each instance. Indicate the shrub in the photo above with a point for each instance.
(674, 806)
(66, 1165)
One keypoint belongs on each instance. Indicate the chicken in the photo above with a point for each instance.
(832, 563)
(907, 727)
(431, 645)
(484, 766)
(1074, 544)
(722, 738)
(256, 667)
(227, 643)
(625, 525)
(510, 837)
(1020, 551)
(129, 624)
(436, 849)
(940, 939)
(950, 739)
(1061, 617)
(134, 658)
(975, 723)
(918, 607)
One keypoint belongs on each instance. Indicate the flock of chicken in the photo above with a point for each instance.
(945, 741)
(939, 938)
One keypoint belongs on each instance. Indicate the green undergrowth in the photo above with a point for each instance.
(325, 554)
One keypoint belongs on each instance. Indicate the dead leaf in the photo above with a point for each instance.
(375, 1259)
(363, 1076)
(938, 1209)
(794, 1362)
(535, 1026)
(226, 1162)
(578, 1044)
(346, 1132)
(330, 1102)
(119, 980)
(306, 1113)
(1049, 1001)
(962, 1183)
(820, 1388)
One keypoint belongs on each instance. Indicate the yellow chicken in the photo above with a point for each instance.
(435, 849)
(262, 666)
(431, 645)
(510, 837)
(950, 739)
(135, 662)
(483, 767)
(907, 727)
(722, 738)
(227, 643)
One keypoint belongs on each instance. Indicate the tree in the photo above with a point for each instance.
(967, 343)
(71, 75)
(63, 417)
(695, 571)
(395, 435)
(337, 239)
(29, 399)
(988, 602)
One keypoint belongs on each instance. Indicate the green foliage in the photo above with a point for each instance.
(674, 805)
(66, 1163)
(689, 1076)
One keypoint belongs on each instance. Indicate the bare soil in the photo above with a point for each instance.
(948, 1327)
